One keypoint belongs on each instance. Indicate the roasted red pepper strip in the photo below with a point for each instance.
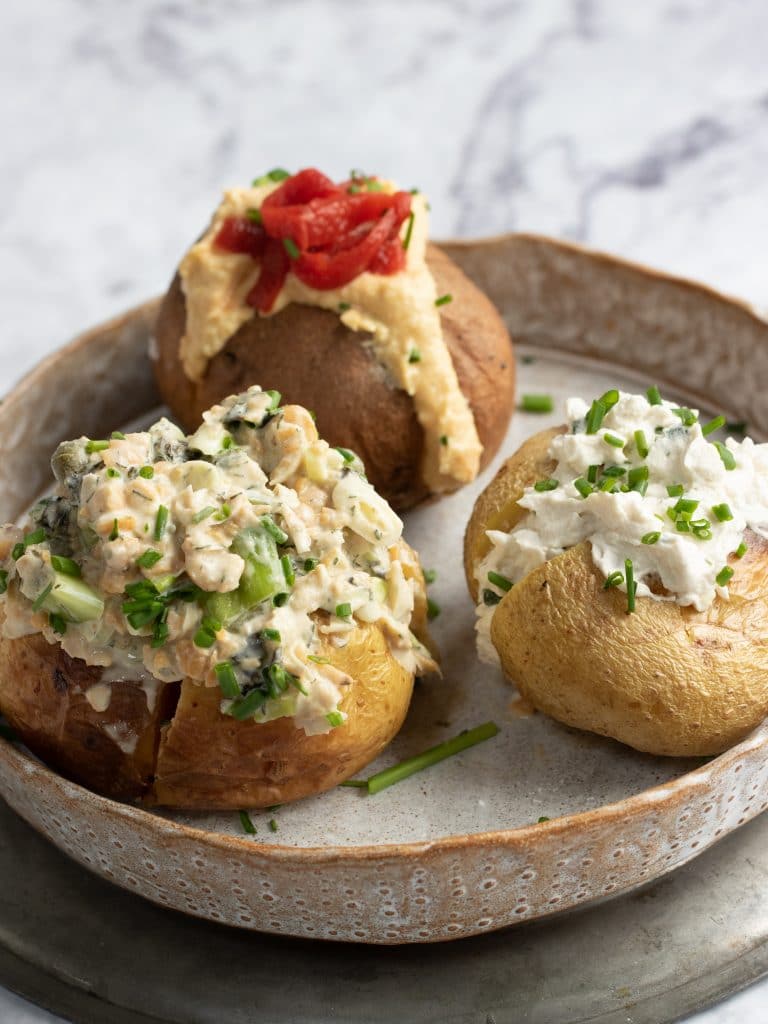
(301, 188)
(324, 222)
(389, 259)
(325, 271)
(274, 267)
(240, 234)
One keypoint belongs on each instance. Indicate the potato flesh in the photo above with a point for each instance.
(665, 679)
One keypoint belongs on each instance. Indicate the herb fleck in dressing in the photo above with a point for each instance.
(659, 502)
(230, 557)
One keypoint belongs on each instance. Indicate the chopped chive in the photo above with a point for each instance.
(273, 635)
(549, 484)
(688, 416)
(584, 487)
(389, 776)
(631, 585)
(614, 440)
(641, 444)
(741, 550)
(346, 454)
(614, 580)
(408, 232)
(275, 175)
(682, 526)
(650, 538)
(344, 306)
(223, 514)
(542, 819)
(344, 610)
(274, 398)
(713, 425)
(36, 537)
(3, 581)
(253, 214)
(674, 490)
(724, 576)
(334, 718)
(96, 446)
(159, 633)
(115, 532)
(147, 472)
(149, 558)
(280, 599)
(279, 536)
(592, 474)
(444, 440)
(291, 248)
(614, 471)
(112, 473)
(272, 825)
(685, 507)
(537, 403)
(610, 398)
(227, 679)
(444, 300)
(433, 609)
(17, 551)
(66, 566)
(57, 623)
(204, 637)
(161, 521)
(310, 564)
(609, 485)
(653, 395)
(41, 597)
(226, 442)
(246, 707)
(318, 660)
(722, 512)
(595, 416)
(490, 597)
(430, 575)
(414, 356)
(500, 581)
(246, 824)
(288, 572)
(198, 517)
(725, 454)
(117, 435)
(637, 479)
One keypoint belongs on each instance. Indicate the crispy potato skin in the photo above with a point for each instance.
(666, 679)
(207, 760)
(42, 694)
(315, 361)
(200, 758)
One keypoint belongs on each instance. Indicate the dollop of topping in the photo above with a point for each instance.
(663, 502)
(232, 557)
(357, 248)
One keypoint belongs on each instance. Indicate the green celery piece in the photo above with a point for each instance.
(74, 599)
(225, 608)
(263, 574)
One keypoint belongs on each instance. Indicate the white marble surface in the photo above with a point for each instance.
(638, 128)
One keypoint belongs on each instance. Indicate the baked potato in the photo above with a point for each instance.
(383, 394)
(224, 620)
(663, 677)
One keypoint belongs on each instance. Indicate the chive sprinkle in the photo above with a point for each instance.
(161, 521)
(246, 824)
(614, 580)
(537, 403)
(223, 514)
(725, 454)
(549, 484)
(41, 598)
(198, 517)
(713, 425)
(651, 538)
(274, 399)
(117, 435)
(641, 444)
(631, 585)
(444, 300)
(610, 398)
(273, 635)
(637, 479)
(3, 581)
(490, 597)
(444, 440)
(36, 537)
(595, 416)
(112, 473)
(614, 471)
(272, 825)
(653, 395)
(18, 551)
(414, 356)
(408, 232)
(430, 575)
(280, 599)
(96, 446)
(592, 474)
(147, 472)
(724, 576)
(227, 679)
(389, 776)
(204, 637)
(115, 532)
(278, 535)
(722, 512)
(288, 572)
(614, 440)
(688, 416)
(674, 490)
(346, 454)
(500, 581)
(542, 819)
(741, 550)
(344, 306)
(310, 564)
(149, 558)
(334, 718)
(344, 610)
(584, 487)
(66, 566)
(291, 248)
(57, 623)
(433, 609)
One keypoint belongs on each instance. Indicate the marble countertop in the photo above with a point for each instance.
(636, 128)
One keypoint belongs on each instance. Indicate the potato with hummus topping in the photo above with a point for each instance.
(332, 293)
(223, 620)
(620, 570)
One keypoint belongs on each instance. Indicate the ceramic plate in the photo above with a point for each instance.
(459, 849)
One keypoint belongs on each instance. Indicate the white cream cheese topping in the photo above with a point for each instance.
(398, 311)
(678, 513)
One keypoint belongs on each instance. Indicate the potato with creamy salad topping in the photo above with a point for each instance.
(333, 293)
(222, 620)
(620, 569)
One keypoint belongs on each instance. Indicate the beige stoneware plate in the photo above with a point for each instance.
(456, 850)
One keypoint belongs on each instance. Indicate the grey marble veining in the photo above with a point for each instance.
(636, 128)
